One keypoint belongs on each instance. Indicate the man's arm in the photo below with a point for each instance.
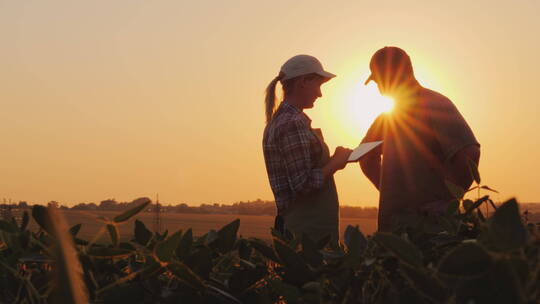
(371, 163)
(459, 166)
(371, 166)
(457, 141)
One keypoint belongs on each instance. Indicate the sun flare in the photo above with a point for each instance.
(362, 105)
(349, 107)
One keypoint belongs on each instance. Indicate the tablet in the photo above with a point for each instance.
(362, 150)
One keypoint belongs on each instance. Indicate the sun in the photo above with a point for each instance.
(362, 105)
(349, 108)
(366, 101)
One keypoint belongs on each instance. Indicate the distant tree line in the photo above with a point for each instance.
(257, 207)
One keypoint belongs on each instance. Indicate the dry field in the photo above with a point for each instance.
(250, 225)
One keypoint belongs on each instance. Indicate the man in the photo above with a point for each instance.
(426, 142)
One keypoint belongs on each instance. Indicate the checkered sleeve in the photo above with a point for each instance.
(295, 147)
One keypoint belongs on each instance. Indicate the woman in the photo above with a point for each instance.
(297, 159)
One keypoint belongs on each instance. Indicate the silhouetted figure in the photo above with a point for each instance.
(298, 162)
(426, 141)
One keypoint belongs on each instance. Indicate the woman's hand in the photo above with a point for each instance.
(340, 157)
(337, 162)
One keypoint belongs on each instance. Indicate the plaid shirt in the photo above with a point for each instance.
(291, 153)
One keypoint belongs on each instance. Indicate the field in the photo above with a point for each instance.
(474, 257)
(250, 225)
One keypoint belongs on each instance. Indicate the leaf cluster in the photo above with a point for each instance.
(462, 256)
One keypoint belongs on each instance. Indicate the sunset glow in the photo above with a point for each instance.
(364, 104)
(167, 97)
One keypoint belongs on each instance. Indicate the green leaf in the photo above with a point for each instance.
(108, 252)
(126, 245)
(480, 215)
(184, 248)
(75, 229)
(151, 270)
(78, 241)
(244, 250)
(7, 227)
(453, 207)
(265, 250)
(164, 235)
(113, 233)
(125, 293)
(404, 250)
(297, 271)
(68, 284)
(489, 189)
(126, 215)
(455, 190)
(25, 220)
(333, 254)
(499, 285)
(243, 279)
(506, 283)
(473, 169)
(310, 252)
(312, 286)
(164, 250)
(425, 283)
(222, 295)
(277, 234)
(291, 293)
(520, 267)
(506, 231)
(467, 204)
(450, 225)
(210, 237)
(470, 208)
(41, 216)
(184, 273)
(200, 261)
(472, 188)
(355, 241)
(288, 256)
(142, 234)
(466, 260)
(322, 242)
(227, 236)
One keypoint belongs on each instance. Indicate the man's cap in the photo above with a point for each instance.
(389, 58)
(303, 65)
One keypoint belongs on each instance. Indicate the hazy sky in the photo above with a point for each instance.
(122, 99)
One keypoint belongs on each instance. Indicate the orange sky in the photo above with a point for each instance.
(122, 99)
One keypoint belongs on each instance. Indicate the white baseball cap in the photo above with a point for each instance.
(303, 65)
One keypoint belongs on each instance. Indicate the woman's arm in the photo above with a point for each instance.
(337, 162)
(295, 147)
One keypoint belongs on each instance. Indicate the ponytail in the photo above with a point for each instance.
(270, 98)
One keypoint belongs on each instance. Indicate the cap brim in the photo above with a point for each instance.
(370, 78)
(326, 75)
